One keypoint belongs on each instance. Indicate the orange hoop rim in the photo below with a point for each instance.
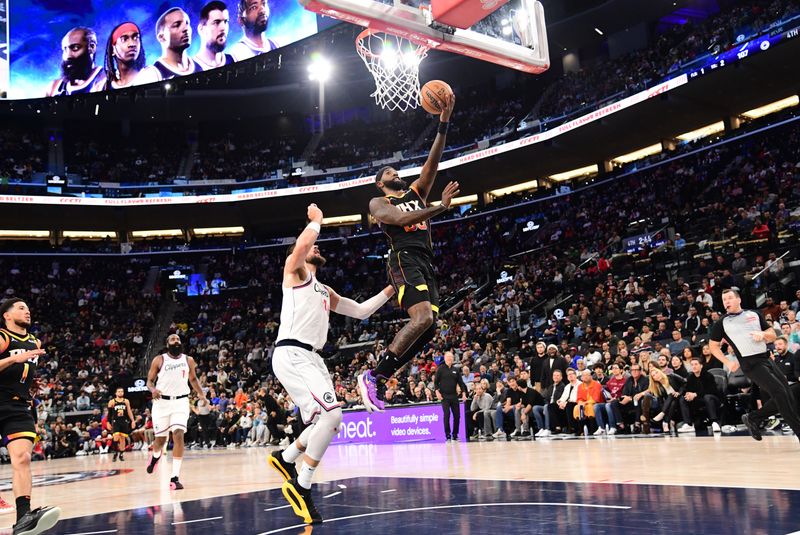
(363, 51)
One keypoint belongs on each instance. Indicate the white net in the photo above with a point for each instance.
(394, 64)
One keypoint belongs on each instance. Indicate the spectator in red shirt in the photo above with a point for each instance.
(760, 230)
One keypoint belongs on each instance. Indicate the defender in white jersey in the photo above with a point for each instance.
(307, 304)
(168, 380)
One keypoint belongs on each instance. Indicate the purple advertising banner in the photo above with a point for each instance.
(414, 423)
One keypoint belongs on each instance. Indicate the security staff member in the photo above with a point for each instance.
(449, 385)
(748, 334)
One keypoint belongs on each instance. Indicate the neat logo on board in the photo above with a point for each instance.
(362, 429)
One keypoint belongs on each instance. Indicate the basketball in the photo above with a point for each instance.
(433, 96)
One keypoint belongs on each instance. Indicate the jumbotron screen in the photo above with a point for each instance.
(65, 47)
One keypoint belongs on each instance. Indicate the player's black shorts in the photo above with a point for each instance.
(411, 273)
(16, 421)
(121, 427)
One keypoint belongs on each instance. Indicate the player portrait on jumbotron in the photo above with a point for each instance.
(213, 29)
(78, 71)
(174, 33)
(253, 17)
(125, 58)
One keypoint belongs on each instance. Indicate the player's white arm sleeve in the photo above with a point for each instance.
(348, 307)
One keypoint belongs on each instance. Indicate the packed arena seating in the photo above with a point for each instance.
(155, 153)
(734, 205)
(243, 156)
(678, 46)
(23, 152)
(151, 153)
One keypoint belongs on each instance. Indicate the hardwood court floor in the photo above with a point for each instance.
(86, 486)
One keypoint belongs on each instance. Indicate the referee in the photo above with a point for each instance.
(748, 334)
(449, 385)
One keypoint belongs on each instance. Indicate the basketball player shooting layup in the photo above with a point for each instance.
(168, 381)
(403, 215)
(304, 329)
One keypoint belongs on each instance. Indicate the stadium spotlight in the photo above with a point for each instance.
(319, 69)
(168, 86)
(599, 31)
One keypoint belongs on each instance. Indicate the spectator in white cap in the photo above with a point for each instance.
(705, 298)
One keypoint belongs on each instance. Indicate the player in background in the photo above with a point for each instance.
(174, 32)
(253, 17)
(213, 29)
(303, 330)
(19, 355)
(125, 58)
(78, 71)
(121, 416)
(403, 214)
(168, 380)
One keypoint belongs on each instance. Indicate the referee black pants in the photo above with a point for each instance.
(769, 378)
(448, 406)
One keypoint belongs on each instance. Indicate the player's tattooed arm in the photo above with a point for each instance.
(388, 214)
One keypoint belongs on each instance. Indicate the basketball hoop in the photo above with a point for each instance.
(394, 64)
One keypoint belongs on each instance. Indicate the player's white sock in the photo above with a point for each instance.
(176, 466)
(292, 452)
(305, 475)
(156, 454)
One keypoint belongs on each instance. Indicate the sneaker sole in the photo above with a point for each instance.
(296, 501)
(173, 486)
(746, 422)
(47, 521)
(364, 391)
(274, 463)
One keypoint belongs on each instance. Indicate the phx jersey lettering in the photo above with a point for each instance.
(410, 263)
(16, 420)
(119, 412)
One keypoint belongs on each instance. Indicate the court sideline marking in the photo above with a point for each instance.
(439, 507)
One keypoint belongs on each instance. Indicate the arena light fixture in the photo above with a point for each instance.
(89, 234)
(319, 69)
(575, 173)
(341, 220)
(458, 201)
(164, 233)
(522, 186)
(599, 31)
(772, 107)
(708, 130)
(25, 234)
(227, 231)
(638, 154)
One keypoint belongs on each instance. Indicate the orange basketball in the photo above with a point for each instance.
(433, 96)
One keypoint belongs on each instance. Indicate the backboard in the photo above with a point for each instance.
(513, 34)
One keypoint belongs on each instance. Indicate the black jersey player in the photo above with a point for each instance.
(19, 354)
(403, 214)
(120, 416)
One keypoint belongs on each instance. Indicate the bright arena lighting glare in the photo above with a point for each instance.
(389, 56)
(319, 69)
(506, 30)
(411, 58)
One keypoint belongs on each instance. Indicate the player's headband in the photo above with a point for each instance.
(124, 28)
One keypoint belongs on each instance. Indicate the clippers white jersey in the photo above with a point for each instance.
(305, 313)
(173, 377)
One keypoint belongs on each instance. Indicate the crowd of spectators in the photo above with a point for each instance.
(22, 154)
(618, 309)
(151, 153)
(679, 45)
(240, 157)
